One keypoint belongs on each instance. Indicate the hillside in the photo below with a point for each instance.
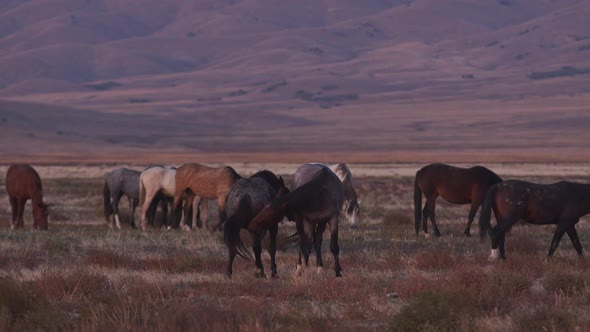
(298, 75)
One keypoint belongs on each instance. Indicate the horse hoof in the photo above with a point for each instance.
(493, 255)
(426, 235)
(320, 270)
(338, 274)
(274, 275)
(467, 234)
(260, 275)
(353, 226)
(298, 270)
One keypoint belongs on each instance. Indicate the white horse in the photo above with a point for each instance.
(351, 202)
(156, 180)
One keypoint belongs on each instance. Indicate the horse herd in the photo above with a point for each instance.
(314, 202)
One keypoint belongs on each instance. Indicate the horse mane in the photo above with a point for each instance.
(344, 170)
(232, 172)
(492, 176)
(270, 178)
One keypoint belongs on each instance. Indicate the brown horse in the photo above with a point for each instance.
(203, 182)
(315, 202)
(562, 203)
(23, 183)
(456, 185)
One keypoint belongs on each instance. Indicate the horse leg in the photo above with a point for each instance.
(573, 235)
(175, 203)
(197, 205)
(318, 237)
(272, 249)
(190, 197)
(307, 240)
(432, 215)
(300, 234)
(559, 231)
(257, 248)
(232, 255)
(425, 219)
(132, 206)
(334, 245)
(501, 241)
(14, 207)
(116, 198)
(474, 206)
(144, 210)
(20, 212)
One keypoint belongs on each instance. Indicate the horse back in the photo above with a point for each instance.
(23, 181)
(206, 181)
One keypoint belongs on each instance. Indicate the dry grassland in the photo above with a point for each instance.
(80, 275)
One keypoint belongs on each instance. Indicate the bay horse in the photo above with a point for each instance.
(246, 198)
(200, 182)
(454, 184)
(118, 183)
(350, 198)
(315, 202)
(156, 183)
(23, 183)
(562, 203)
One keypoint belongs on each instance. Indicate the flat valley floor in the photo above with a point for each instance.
(81, 275)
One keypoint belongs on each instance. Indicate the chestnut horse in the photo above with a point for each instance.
(203, 182)
(23, 183)
(562, 203)
(245, 199)
(315, 202)
(456, 185)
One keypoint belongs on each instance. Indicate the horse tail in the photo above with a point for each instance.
(485, 215)
(108, 207)
(231, 231)
(417, 205)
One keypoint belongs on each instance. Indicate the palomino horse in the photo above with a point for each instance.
(23, 183)
(315, 202)
(456, 185)
(203, 182)
(119, 182)
(562, 203)
(155, 183)
(350, 198)
(245, 199)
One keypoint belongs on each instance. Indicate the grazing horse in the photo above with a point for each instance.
(314, 203)
(351, 202)
(456, 185)
(23, 183)
(245, 199)
(562, 203)
(119, 182)
(156, 183)
(199, 182)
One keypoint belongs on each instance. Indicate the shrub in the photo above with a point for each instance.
(568, 283)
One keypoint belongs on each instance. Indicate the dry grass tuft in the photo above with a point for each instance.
(434, 260)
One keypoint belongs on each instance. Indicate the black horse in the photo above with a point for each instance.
(562, 203)
(456, 185)
(245, 199)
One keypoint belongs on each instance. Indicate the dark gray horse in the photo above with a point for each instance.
(119, 182)
(245, 199)
(314, 203)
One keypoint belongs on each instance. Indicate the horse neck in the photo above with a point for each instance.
(349, 192)
(37, 200)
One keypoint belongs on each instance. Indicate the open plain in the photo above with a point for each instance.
(82, 275)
